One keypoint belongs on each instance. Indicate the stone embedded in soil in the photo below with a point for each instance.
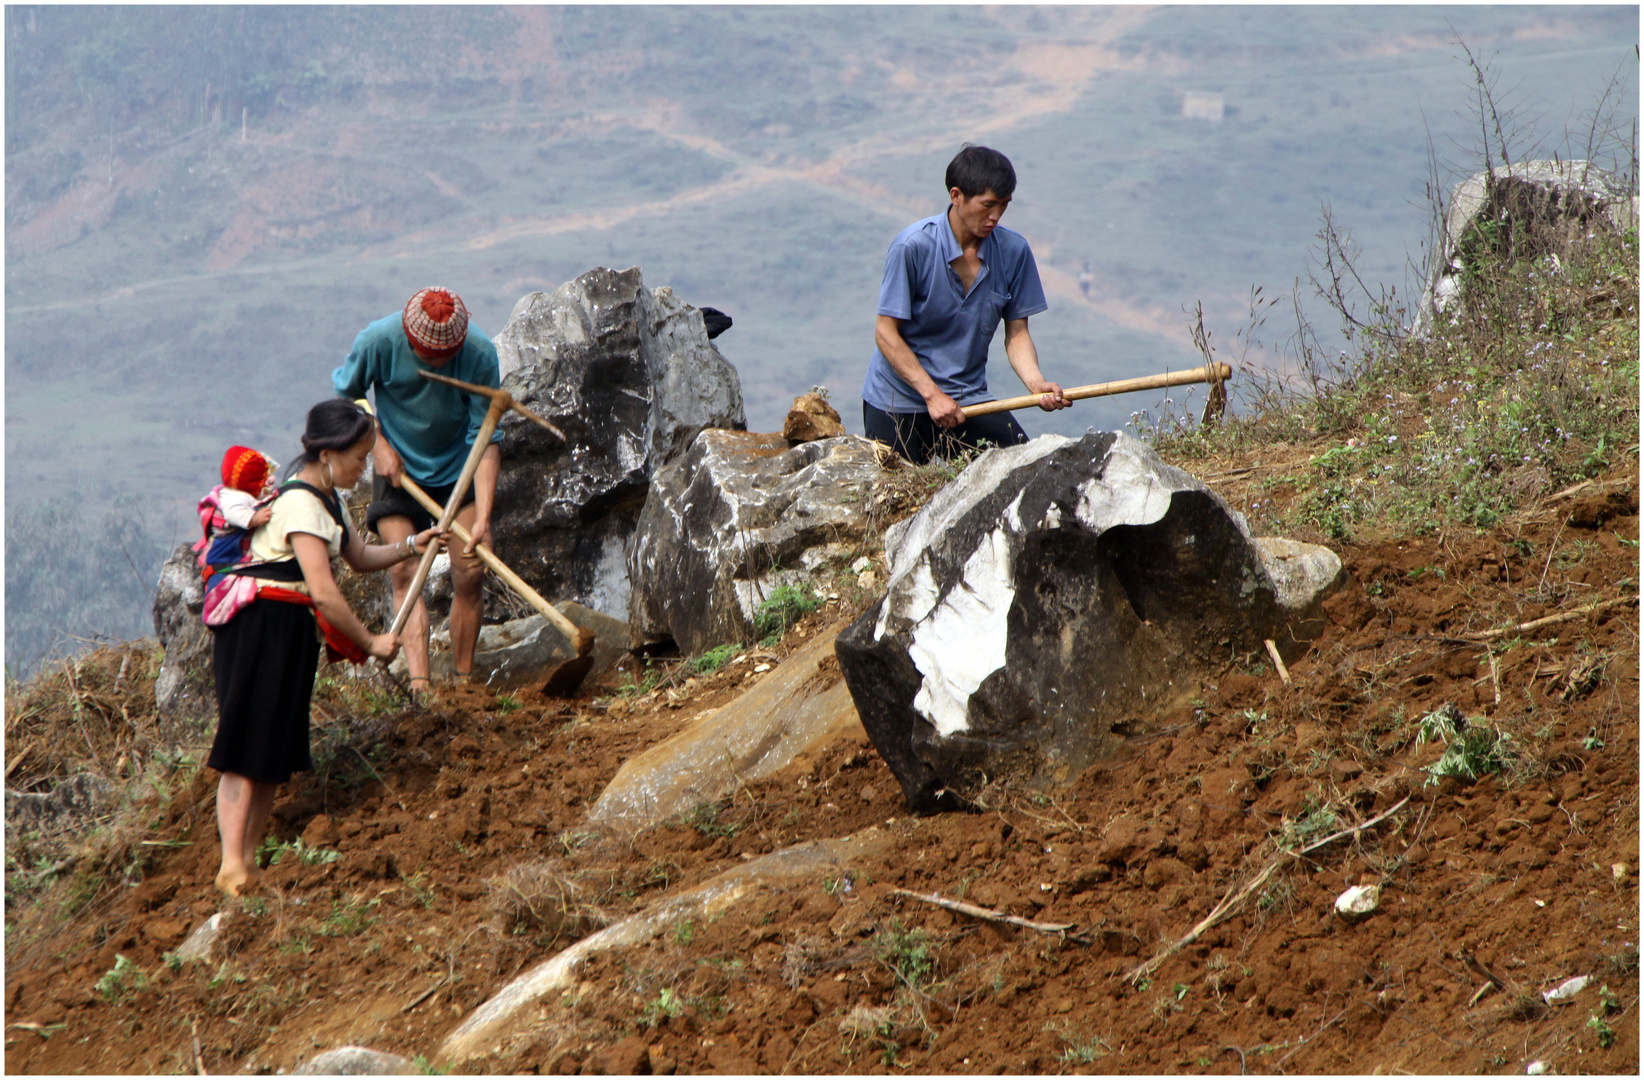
(203, 941)
(801, 707)
(507, 1021)
(737, 517)
(356, 1061)
(524, 652)
(1358, 902)
(1053, 596)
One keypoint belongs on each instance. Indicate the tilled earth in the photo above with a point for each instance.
(1259, 804)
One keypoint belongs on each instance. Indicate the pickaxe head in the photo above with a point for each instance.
(500, 399)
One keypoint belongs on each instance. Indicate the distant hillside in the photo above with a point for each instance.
(204, 205)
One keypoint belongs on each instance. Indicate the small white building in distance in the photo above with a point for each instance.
(1198, 105)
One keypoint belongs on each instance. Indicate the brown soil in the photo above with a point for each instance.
(1528, 876)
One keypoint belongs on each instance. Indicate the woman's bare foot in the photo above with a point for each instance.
(230, 882)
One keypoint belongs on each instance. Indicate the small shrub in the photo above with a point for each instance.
(123, 978)
(298, 849)
(907, 952)
(427, 1068)
(348, 918)
(666, 1006)
(712, 660)
(1472, 749)
(786, 605)
(1602, 1029)
(706, 819)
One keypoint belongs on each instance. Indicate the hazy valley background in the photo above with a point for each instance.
(204, 205)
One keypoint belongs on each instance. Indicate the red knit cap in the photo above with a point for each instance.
(244, 469)
(435, 321)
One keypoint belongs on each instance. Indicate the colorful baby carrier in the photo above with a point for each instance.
(239, 578)
(223, 545)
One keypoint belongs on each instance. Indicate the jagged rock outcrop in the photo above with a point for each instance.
(1525, 210)
(1053, 599)
(184, 692)
(630, 377)
(738, 516)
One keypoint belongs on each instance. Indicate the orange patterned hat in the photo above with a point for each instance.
(436, 321)
(245, 469)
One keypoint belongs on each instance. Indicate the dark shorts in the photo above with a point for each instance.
(390, 501)
(916, 437)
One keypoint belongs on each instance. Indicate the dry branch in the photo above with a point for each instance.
(1237, 895)
(987, 913)
(1537, 624)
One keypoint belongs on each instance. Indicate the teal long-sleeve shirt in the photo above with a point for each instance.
(431, 425)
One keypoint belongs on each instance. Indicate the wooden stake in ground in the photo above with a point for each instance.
(1123, 386)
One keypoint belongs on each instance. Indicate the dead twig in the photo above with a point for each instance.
(1311, 1037)
(199, 1058)
(994, 916)
(1236, 895)
(1536, 624)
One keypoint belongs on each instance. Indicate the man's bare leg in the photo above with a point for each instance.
(414, 638)
(467, 598)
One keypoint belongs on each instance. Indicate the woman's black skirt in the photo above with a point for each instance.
(264, 660)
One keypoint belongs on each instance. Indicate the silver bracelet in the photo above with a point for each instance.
(412, 541)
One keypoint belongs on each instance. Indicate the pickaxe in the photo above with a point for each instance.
(501, 401)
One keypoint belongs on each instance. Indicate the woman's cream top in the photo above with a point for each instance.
(295, 511)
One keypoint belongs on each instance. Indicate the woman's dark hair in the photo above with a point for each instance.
(976, 169)
(335, 424)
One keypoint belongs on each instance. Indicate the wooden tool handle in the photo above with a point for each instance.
(469, 467)
(579, 637)
(494, 394)
(1123, 386)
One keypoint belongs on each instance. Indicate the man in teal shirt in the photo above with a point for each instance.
(425, 430)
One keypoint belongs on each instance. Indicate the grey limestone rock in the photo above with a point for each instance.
(356, 1061)
(1055, 598)
(1529, 198)
(183, 690)
(630, 376)
(521, 652)
(738, 516)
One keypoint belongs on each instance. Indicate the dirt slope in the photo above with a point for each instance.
(1529, 875)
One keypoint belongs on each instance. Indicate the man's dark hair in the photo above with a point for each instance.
(976, 169)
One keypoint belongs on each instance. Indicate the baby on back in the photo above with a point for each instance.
(230, 511)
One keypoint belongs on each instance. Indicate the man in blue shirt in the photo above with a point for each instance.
(949, 280)
(425, 430)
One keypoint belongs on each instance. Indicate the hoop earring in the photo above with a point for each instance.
(329, 482)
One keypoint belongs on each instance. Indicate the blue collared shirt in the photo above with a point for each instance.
(948, 330)
(431, 424)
